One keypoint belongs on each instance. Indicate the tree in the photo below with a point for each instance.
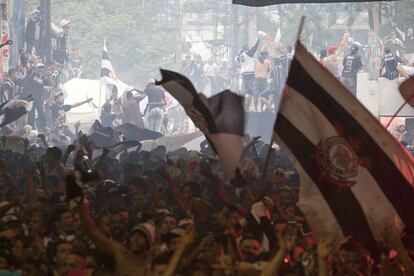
(136, 41)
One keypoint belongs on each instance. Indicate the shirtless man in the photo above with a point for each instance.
(135, 259)
(262, 69)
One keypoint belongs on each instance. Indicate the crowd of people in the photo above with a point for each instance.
(43, 85)
(159, 213)
(258, 73)
(64, 211)
(262, 69)
(390, 57)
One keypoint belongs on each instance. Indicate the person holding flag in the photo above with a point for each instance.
(246, 60)
(108, 76)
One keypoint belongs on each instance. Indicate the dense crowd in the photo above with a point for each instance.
(67, 208)
(159, 213)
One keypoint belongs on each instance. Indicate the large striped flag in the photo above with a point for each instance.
(108, 76)
(355, 176)
(220, 118)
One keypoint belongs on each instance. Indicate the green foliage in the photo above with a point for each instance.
(404, 14)
(136, 48)
(142, 35)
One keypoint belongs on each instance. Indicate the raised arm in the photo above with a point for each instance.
(253, 50)
(400, 34)
(342, 45)
(287, 242)
(75, 194)
(81, 103)
(176, 194)
(393, 241)
(185, 241)
(92, 231)
(324, 249)
(68, 151)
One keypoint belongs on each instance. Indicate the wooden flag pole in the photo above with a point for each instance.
(302, 22)
(269, 153)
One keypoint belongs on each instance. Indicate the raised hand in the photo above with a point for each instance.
(391, 238)
(74, 186)
(287, 239)
(77, 125)
(325, 246)
(186, 239)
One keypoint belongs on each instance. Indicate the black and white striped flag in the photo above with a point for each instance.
(108, 76)
(220, 118)
(355, 176)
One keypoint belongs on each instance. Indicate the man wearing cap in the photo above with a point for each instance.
(135, 259)
(352, 64)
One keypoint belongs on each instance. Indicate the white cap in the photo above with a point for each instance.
(148, 230)
(64, 22)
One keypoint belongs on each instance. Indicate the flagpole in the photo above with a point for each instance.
(269, 153)
(100, 90)
(100, 98)
(398, 111)
(302, 22)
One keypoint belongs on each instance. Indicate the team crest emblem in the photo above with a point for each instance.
(337, 162)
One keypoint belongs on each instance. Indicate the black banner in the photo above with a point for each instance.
(261, 3)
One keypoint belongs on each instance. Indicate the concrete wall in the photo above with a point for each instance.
(382, 97)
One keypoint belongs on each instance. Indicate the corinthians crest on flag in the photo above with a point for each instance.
(355, 176)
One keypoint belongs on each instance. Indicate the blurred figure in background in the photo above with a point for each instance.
(374, 52)
(352, 64)
(389, 65)
(156, 104)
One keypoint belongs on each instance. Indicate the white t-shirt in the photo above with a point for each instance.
(247, 63)
(211, 70)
